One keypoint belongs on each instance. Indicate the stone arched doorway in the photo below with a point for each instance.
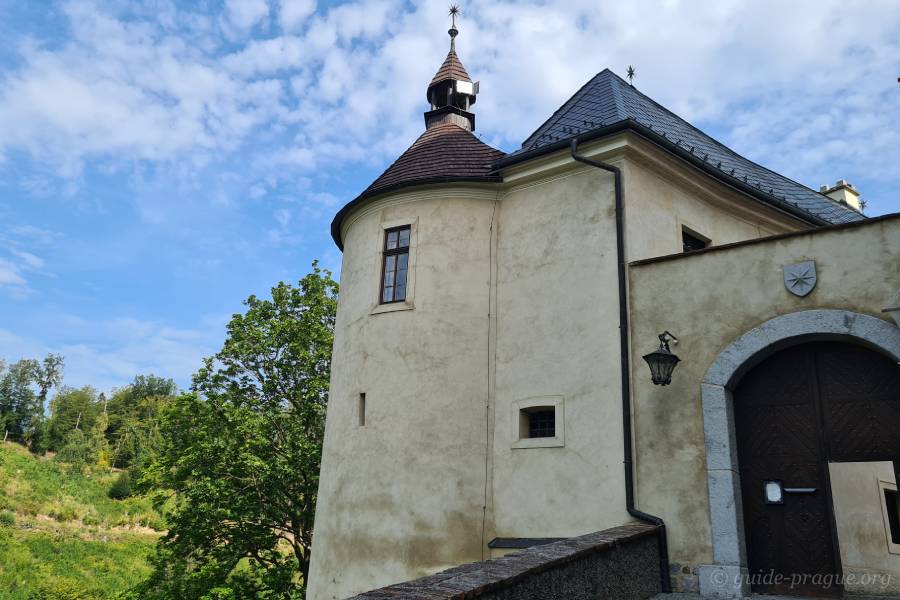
(728, 576)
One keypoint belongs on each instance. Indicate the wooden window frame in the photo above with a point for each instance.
(397, 251)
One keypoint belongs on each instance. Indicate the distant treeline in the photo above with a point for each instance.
(234, 461)
(81, 426)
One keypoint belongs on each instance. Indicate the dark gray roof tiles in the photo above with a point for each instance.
(607, 99)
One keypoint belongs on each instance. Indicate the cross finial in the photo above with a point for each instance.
(454, 10)
(630, 75)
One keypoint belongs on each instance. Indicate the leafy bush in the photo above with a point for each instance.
(121, 487)
(60, 590)
(7, 518)
(63, 511)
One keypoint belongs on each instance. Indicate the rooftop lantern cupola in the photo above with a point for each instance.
(451, 92)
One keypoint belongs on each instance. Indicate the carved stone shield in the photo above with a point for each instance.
(800, 278)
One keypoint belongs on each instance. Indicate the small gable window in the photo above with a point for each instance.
(395, 264)
(691, 240)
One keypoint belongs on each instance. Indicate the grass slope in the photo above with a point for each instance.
(62, 538)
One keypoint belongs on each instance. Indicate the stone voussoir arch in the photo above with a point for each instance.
(726, 577)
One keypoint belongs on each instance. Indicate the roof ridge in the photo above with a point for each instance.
(607, 99)
(722, 146)
(617, 94)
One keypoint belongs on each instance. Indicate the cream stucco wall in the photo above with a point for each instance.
(869, 559)
(556, 336)
(514, 297)
(662, 196)
(709, 300)
(403, 495)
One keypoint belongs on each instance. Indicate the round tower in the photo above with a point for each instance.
(404, 475)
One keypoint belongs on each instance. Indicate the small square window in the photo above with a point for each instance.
(541, 422)
(538, 422)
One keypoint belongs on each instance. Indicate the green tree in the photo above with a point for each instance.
(72, 409)
(242, 453)
(22, 409)
(48, 375)
(87, 447)
(19, 405)
(134, 411)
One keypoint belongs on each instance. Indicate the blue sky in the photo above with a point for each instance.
(160, 161)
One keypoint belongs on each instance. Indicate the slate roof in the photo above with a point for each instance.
(444, 153)
(451, 69)
(607, 99)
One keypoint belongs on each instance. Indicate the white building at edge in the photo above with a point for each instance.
(493, 316)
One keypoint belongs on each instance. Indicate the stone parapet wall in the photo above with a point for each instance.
(621, 563)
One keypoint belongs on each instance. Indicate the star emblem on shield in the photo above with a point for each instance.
(800, 278)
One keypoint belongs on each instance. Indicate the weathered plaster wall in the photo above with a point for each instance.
(870, 561)
(662, 196)
(708, 300)
(557, 335)
(497, 316)
(402, 496)
(557, 320)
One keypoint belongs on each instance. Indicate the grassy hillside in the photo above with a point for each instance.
(62, 538)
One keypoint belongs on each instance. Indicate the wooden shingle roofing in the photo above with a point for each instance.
(451, 69)
(445, 153)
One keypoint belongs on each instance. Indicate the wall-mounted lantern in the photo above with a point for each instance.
(662, 362)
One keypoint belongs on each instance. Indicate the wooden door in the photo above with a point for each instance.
(795, 412)
(789, 546)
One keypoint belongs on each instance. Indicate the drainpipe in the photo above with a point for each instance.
(665, 582)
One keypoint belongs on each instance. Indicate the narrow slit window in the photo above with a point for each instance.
(362, 410)
(892, 503)
(395, 265)
(691, 241)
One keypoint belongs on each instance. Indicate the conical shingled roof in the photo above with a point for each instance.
(445, 153)
(451, 69)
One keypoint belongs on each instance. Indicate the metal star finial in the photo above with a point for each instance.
(454, 10)
(630, 75)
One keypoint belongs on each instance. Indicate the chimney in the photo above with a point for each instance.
(844, 193)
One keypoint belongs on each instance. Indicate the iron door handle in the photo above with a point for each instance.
(788, 490)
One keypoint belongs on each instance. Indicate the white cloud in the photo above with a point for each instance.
(293, 13)
(29, 259)
(811, 92)
(10, 274)
(18, 263)
(244, 14)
